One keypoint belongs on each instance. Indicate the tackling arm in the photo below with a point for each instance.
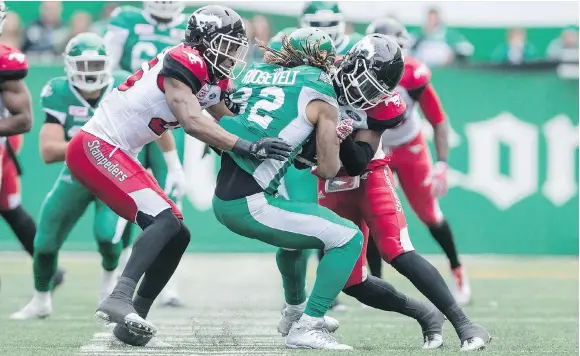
(16, 99)
(325, 117)
(355, 154)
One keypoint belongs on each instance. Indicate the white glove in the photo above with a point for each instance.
(344, 128)
(439, 179)
(175, 180)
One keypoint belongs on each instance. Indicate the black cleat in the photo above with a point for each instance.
(473, 337)
(123, 334)
(121, 311)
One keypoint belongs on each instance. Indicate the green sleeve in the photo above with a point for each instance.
(321, 82)
(52, 99)
(123, 17)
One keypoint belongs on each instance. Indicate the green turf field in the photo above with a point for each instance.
(530, 306)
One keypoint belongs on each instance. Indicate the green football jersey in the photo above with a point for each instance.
(273, 104)
(61, 100)
(145, 37)
(348, 41)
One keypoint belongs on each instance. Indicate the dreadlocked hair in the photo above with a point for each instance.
(290, 57)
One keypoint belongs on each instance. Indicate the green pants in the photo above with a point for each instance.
(300, 185)
(61, 209)
(295, 226)
(151, 157)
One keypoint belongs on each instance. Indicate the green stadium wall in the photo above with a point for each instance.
(513, 176)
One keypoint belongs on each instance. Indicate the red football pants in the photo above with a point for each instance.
(373, 206)
(115, 178)
(411, 163)
(10, 196)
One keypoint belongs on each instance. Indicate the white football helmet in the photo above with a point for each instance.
(166, 10)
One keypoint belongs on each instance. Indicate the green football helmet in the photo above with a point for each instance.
(325, 16)
(86, 62)
(305, 40)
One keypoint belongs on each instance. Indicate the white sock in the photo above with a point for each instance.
(170, 291)
(123, 259)
(309, 320)
(107, 279)
(42, 298)
(299, 307)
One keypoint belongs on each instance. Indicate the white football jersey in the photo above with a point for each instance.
(136, 113)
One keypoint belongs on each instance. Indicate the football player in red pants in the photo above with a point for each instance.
(15, 119)
(422, 182)
(364, 193)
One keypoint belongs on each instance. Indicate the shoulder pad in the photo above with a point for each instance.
(391, 108)
(190, 59)
(13, 63)
(124, 16)
(416, 74)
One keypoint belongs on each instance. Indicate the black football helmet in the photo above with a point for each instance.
(369, 72)
(219, 34)
(391, 27)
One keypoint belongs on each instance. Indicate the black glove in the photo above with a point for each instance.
(227, 98)
(265, 148)
(307, 156)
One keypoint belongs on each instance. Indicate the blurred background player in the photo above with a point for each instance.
(15, 119)
(135, 36)
(68, 103)
(410, 159)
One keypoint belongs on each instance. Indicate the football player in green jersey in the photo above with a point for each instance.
(326, 15)
(290, 96)
(69, 102)
(135, 36)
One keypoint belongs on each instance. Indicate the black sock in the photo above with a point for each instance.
(164, 265)
(23, 226)
(443, 235)
(374, 259)
(157, 232)
(142, 305)
(429, 282)
(379, 294)
(124, 289)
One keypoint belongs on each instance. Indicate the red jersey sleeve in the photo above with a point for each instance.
(387, 114)
(416, 74)
(186, 65)
(13, 63)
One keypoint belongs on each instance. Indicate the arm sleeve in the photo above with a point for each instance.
(431, 105)
(115, 40)
(355, 156)
(173, 68)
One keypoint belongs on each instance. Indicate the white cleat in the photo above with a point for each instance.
(108, 281)
(474, 337)
(433, 341)
(39, 307)
(462, 290)
(474, 344)
(169, 296)
(311, 333)
(292, 313)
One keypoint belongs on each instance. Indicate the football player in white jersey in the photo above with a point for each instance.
(167, 93)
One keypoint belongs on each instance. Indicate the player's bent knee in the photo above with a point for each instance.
(184, 235)
(166, 220)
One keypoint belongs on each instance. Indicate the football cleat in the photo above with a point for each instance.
(292, 314)
(39, 307)
(312, 334)
(462, 291)
(121, 311)
(473, 337)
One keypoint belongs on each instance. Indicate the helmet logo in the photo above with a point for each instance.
(19, 57)
(192, 57)
(395, 99)
(204, 21)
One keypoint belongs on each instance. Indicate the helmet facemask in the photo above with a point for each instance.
(166, 10)
(224, 52)
(360, 88)
(88, 72)
(329, 22)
